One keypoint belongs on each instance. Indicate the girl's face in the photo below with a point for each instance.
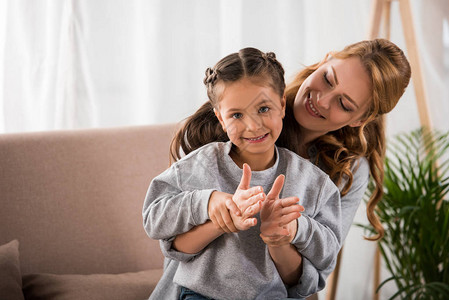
(251, 115)
(337, 94)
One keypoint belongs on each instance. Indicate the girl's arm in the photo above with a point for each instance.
(244, 204)
(197, 238)
(170, 208)
(287, 259)
(313, 271)
(279, 225)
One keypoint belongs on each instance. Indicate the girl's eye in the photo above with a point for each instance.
(343, 106)
(264, 109)
(237, 116)
(327, 80)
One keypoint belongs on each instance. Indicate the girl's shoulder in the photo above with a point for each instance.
(303, 165)
(206, 152)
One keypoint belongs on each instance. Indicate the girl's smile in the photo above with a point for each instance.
(258, 139)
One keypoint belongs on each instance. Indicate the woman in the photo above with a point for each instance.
(335, 110)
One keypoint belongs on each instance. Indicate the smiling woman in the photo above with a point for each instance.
(335, 95)
(368, 78)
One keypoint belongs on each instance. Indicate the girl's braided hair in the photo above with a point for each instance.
(203, 126)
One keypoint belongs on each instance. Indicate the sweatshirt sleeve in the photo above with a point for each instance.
(169, 252)
(170, 209)
(351, 201)
(318, 237)
(315, 272)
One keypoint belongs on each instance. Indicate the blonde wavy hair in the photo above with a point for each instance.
(389, 71)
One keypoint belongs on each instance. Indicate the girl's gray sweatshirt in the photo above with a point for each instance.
(238, 265)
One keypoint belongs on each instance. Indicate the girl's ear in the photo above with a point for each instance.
(220, 119)
(283, 103)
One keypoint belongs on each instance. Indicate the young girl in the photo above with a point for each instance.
(246, 93)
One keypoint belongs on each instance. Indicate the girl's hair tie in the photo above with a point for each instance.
(271, 55)
(211, 76)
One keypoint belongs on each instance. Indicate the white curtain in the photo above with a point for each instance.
(68, 64)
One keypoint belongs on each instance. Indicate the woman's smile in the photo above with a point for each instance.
(311, 108)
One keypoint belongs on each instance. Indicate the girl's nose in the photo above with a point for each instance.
(254, 123)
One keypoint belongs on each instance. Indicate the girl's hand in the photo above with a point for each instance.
(278, 216)
(248, 201)
(281, 240)
(225, 210)
(220, 206)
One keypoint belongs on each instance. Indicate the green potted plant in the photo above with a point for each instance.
(415, 214)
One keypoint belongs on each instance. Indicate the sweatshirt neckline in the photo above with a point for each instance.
(257, 177)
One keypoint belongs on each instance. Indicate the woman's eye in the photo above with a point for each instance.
(264, 109)
(343, 106)
(327, 80)
(237, 116)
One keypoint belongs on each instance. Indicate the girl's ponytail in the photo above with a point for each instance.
(198, 130)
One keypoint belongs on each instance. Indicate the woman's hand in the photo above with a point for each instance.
(232, 213)
(278, 216)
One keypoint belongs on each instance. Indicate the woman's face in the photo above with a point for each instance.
(337, 94)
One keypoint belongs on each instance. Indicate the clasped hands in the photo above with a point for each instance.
(236, 212)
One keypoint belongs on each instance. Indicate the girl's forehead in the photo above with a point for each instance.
(262, 81)
(254, 82)
(245, 93)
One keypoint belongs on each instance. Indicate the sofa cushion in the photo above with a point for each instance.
(74, 198)
(10, 277)
(130, 286)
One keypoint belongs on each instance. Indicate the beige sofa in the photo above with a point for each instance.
(70, 213)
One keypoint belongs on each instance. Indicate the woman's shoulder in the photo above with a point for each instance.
(360, 177)
(360, 168)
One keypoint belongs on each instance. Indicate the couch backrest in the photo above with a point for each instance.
(74, 198)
